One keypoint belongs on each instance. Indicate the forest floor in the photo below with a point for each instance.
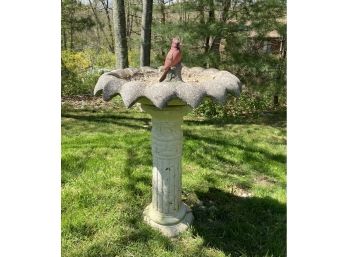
(234, 179)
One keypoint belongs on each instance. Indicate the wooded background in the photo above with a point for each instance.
(245, 37)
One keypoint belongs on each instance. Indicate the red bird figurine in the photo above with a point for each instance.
(173, 57)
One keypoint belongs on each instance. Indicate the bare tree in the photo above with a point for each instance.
(109, 41)
(106, 7)
(162, 10)
(121, 49)
(211, 19)
(146, 21)
(215, 46)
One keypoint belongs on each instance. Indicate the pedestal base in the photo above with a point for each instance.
(170, 230)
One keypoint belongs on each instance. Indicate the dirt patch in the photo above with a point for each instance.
(264, 181)
(86, 102)
(239, 191)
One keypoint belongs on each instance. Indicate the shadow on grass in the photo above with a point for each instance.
(132, 231)
(121, 120)
(235, 225)
(73, 165)
(219, 142)
(251, 226)
(133, 179)
(273, 118)
(256, 157)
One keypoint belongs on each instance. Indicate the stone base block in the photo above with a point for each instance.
(170, 230)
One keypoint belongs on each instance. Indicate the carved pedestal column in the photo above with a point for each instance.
(167, 212)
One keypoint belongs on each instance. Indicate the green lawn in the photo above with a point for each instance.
(234, 178)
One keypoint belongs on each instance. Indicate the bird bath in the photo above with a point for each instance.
(167, 102)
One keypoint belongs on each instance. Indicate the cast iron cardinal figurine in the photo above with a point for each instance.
(173, 57)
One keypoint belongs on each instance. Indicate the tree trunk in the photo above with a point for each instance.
(146, 33)
(64, 39)
(98, 37)
(206, 44)
(71, 35)
(121, 49)
(211, 12)
(110, 44)
(163, 22)
(129, 19)
(215, 46)
(282, 56)
(211, 19)
(200, 9)
(163, 13)
(105, 4)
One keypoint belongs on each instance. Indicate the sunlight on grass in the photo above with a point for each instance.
(234, 179)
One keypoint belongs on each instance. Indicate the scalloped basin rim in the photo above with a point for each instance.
(174, 102)
(217, 86)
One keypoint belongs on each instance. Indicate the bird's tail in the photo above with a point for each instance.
(164, 75)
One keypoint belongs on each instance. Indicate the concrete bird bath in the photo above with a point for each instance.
(167, 102)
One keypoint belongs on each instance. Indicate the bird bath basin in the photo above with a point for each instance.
(167, 102)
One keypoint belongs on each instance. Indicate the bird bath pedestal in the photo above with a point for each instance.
(167, 102)
(167, 212)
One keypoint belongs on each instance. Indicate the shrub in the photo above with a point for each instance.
(80, 70)
(249, 102)
(101, 58)
(75, 61)
(134, 58)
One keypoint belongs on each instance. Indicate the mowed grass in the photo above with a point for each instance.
(234, 179)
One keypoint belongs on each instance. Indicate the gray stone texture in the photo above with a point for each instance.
(214, 84)
(167, 102)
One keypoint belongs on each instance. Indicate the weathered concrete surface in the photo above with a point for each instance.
(210, 83)
(167, 212)
(167, 102)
